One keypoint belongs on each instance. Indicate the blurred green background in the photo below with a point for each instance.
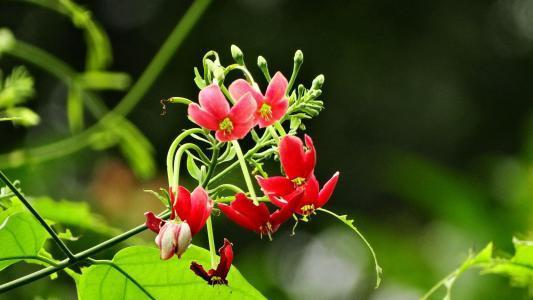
(429, 119)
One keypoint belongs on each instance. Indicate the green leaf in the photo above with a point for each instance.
(20, 235)
(519, 268)
(169, 279)
(193, 169)
(72, 213)
(16, 88)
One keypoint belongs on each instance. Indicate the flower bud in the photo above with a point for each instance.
(261, 62)
(237, 55)
(173, 238)
(318, 82)
(7, 40)
(298, 57)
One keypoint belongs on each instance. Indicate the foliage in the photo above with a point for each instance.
(518, 268)
(162, 279)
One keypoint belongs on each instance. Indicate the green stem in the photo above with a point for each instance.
(172, 151)
(211, 239)
(244, 168)
(227, 186)
(248, 154)
(273, 133)
(128, 276)
(45, 225)
(31, 257)
(280, 128)
(349, 223)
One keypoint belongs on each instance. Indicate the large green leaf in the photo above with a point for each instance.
(20, 235)
(72, 213)
(169, 279)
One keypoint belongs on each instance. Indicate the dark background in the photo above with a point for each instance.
(428, 119)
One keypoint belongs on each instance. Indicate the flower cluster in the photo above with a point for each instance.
(234, 113)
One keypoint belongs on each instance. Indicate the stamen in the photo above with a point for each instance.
(226, 125)
(298, 181)
(265, 111)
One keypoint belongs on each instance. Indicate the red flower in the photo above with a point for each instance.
(193, 208)
(257, 217)
(218, 275)
(175, 235)
(214, 113)
(272, 106)
(298, 164)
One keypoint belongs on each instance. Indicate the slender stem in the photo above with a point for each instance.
(177, 161)
(227, 186)
(211, 239)
(280, 128)
(273, 133)
(128, 276)
(30, 257)
(45, 225)
(349, 223)
(439, 284)
(248, 154)
(172, 151)
(212, 165)
(244, 169)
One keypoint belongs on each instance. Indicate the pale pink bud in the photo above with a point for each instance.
(173, 238)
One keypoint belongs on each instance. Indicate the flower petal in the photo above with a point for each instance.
(202, 117)
(276, 185)
(242, 129)
(277, 88)
(226, 258)
(200, 271)
(258, 213)
(283, 214)
(183, 238)
(213, 101)
(240, 87)
(291, 153)
(237, 217)
(309, 156)
(165, 240)
(182, 203)
(153, 222)
(279, 109)
(326, 191)
(200, 209)
(243, 110)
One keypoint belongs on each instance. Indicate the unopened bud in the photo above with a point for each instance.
(261, 62)
(173, 238)
(237, 55)
(7, 40)
(318, 82)
(298, 57)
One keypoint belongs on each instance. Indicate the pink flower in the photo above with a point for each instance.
(218, 275)
(214, 113)
(175, 235)
(272, 106)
